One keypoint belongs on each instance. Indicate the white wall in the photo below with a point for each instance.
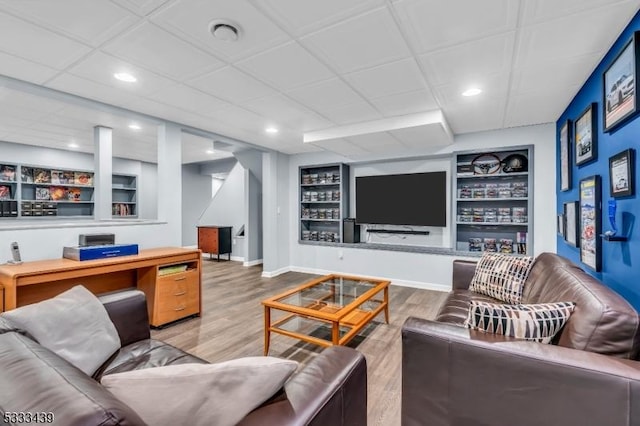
(196, 197)
(416, 269)
(227, 208)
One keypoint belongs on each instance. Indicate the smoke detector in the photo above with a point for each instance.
(224, 30)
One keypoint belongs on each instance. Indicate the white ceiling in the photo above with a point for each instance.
(300, 65)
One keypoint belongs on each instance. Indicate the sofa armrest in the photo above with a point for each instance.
(463, 271)
(451, 377)
(128, 312)
(330, 390)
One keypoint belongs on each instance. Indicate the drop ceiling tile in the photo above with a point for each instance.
(365, 41)
(405, 103)
(301, 17)
(286, 67)
(597, 30)
(431, 24)
(547, 10)
(16, 103)
(424, 137)
(156, 49)
(190, 20)
(282, 111)
(553, 74)
(23, 69)
(232, 85)
(326, 95)
(190, 99)
(469, 63)
(353, 113)
(100, 68)
(90, 89)
(37, 44)
(91, 22)
(476, 115)
(542, 106)
(389, 79)
(341, 147)
(142, 7)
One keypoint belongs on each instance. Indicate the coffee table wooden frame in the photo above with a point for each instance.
(350, 315)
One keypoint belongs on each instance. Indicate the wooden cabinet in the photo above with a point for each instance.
(215, 240)
(170, 278)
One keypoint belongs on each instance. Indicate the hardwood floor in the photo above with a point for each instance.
(232, 321)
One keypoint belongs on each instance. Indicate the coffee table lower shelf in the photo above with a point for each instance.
(336, 332)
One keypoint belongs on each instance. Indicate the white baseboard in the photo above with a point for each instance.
(252, 263)
(402, 283)
(237, 258)
(190, 247)
(275, 273)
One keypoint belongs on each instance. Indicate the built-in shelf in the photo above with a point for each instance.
(493, 223)
(321, 220)
(320, 184)
(320, 202)
(492, 175)
(464, 200)
(124, 196)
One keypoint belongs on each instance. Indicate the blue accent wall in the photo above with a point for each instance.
(620, 260)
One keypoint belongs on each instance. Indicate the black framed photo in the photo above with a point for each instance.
(621, 174)
(571, 223)
(586, 136)
(565, 156)
(561, 225)
(619, 95)
(590, 223)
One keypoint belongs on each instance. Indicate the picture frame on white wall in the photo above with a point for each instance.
(619, 85)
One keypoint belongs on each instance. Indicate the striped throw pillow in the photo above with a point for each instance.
(501, 276)
(537, 322)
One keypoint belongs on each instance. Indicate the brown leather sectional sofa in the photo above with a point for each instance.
(455, 376)
(331, 389)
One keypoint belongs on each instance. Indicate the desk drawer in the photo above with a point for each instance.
(177, 296)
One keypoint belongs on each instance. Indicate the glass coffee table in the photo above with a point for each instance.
(326, 311)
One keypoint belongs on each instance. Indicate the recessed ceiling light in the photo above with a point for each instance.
(73, 145)
(271, 130)
(134, 126)
(126, 77)
(224, 30)
(209, 151)
(472, 92)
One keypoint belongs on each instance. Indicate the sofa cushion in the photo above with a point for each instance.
(34, 379)
(602, 321)
(539, 322)
(456, 307)
(209, 394)
(146, 353)
(73, 324)
(501, 276)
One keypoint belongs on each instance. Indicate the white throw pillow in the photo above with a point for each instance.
(74, 325)
(202, 394)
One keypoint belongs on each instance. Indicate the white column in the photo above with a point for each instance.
(103, 165)
(170, 180)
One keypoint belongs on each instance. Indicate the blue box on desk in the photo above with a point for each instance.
(99, 252)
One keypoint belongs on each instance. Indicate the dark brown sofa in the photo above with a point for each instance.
(331, 389)
(455, 376)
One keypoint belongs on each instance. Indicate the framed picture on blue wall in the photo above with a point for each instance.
(572, 224)
(621, 174)
(619, 95)
(586, 136)
(565, 156)
(590, 223)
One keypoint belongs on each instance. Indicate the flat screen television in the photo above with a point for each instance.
(418, 199)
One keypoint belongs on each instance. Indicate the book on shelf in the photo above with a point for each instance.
(121, 209)
(5, 192)
(42, 175)
(83, 178)
(172, 269)
(26, 174)
(42, 193)
(58, 193)
(74, 194)
(8, 172)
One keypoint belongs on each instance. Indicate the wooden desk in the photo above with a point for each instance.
(32, 282)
